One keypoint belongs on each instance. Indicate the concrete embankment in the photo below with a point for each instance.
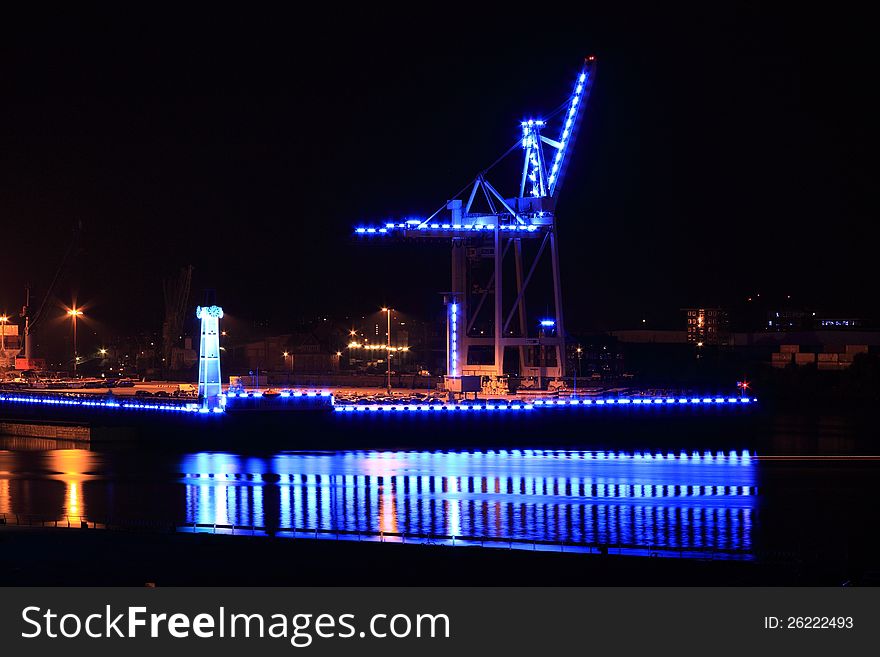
(55, 431)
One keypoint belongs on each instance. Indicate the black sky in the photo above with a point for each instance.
(724, 152)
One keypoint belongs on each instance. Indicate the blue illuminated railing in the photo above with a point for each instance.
(325, 400)
(284, 394)
(544, 403)
(47, 400)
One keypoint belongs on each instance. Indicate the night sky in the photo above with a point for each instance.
(721, 155)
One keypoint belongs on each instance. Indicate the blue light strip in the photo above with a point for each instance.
(646, 401)
(284, 394)
(387, 229)
(546, 403)
(453, 339)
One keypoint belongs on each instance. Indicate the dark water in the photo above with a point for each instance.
(734, 501)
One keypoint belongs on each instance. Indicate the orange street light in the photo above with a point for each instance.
(73, 313)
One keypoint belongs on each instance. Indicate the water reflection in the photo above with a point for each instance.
(681, 500)
(26, 493)
(72, 466)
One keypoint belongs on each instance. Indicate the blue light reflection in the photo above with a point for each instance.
(674, 500)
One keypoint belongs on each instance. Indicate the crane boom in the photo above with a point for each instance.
(570, 124)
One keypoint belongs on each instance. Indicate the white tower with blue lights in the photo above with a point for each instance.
(210, 389)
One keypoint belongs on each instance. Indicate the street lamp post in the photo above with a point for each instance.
(73, 313)
(578, 371)
(4, 319)
(388, 356)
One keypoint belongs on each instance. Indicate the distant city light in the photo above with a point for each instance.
(384, 347)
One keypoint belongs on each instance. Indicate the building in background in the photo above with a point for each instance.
(844, 323)
(707, 326)
(301, 353)
(790, 319)
(10, 344)
(596, 357)
(799, 319)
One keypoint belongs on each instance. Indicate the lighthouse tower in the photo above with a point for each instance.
(210, 389)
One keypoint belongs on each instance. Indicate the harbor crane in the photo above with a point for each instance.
(500, 246)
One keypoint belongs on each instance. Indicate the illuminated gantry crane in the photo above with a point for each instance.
(487, 231)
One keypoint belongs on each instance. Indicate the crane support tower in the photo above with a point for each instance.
(502, 248)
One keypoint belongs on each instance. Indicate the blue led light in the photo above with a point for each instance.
(449, 228)
(452, 366)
